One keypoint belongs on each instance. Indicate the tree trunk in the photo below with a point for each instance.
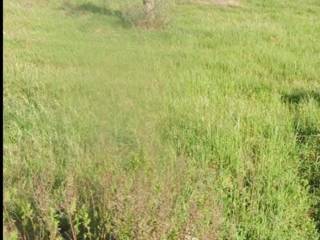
(149, 8)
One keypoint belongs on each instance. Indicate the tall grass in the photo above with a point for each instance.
(208, 128)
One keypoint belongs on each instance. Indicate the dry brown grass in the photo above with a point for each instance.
(149, 206)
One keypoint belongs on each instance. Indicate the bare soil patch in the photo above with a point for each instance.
(233, 3)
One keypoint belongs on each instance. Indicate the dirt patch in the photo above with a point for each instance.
(233, 3)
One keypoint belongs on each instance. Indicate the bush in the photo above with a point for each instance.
(135, 14)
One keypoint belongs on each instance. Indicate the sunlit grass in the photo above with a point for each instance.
(207, 128)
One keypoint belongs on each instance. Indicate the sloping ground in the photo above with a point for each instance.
(206, 129)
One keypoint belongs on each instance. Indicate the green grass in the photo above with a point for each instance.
(209, 127)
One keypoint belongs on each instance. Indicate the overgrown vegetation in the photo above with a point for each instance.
(208, 128)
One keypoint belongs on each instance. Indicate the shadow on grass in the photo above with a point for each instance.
(308, 142)
(308, 146)
(299, 96)
(95, 9)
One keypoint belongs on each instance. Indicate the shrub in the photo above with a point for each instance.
(136, 14)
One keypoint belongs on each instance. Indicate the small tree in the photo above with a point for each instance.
(148, 13)
(149, 6)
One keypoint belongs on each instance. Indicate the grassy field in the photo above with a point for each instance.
(208, 128)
